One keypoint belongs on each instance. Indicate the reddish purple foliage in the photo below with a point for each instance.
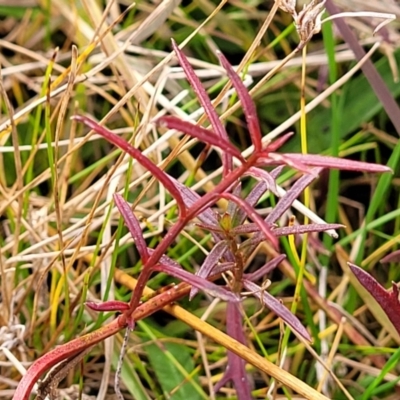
(227, 228)
(392, 257)
(109, 305)
(388, 300)
(231, 250)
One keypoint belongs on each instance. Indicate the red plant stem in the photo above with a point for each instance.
(63, 352)
(174, 231)
(80, 344)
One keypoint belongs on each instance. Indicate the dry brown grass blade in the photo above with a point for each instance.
(154, 21)
(110, 45)
(16, 187)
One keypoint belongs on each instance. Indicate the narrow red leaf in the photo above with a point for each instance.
(159, 174)
(207, 216)
(197, 282)
(334, 162)
(299, 229)
(265, 269)
(133, 225)
(264, 175)
(166, 260)
(200, 133)
(209, 263)
(389, 301)
(110, 305)
(211, 228)
(223, 267)
(249, 108)
(282, 159)
(277, 143)
(291, 195)
(204, 100)
(245, 229)
(278, 308)
(392, 257)
(236, 366)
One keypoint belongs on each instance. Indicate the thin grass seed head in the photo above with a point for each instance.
(308, 21)
(288, 6)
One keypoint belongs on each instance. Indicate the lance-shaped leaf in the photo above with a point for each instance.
(278, 308)
(291, 195)
(334, 162)
(189, 196)
(265, 269)
(388, 300)
(287, 230)
(276, 172)
(252, 213)
(159, 174)
(209, 263)
(249, 245)
(309, 228)
(238, 215)
(211, 228)
(200, 133)
(166, 260)
(235, 369)
(264, 175)
(109, 305)
(392, 257)
(249, 108)
(133, 225)
(245, 229)
(281, 159)
(196, 281)
(207, 217)
(277, 143)
(204, 100)
(223, 267)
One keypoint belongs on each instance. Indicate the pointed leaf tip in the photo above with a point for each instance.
(198, 282)
(110, 305)
(278, 308)
(249, 108)
(336, 163)
(133, 225)
(205, 102)
(388, 300)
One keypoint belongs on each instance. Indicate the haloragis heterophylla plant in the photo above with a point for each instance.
(236, 232)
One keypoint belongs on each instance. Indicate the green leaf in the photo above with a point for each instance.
(17, 12)
(377, 382)
(360, 105)
(170, 363)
